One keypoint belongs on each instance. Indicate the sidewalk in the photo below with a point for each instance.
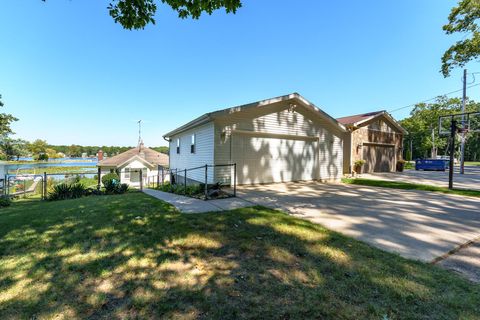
(191, 205)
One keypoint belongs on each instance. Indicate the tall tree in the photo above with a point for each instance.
(13, 149)
(423, 121)
(463, 19)
(136, 14)
(5, 121)
(38, 146)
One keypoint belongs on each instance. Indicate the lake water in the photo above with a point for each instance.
(88, 163)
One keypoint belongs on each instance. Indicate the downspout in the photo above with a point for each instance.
(169, 150)
(350, 136)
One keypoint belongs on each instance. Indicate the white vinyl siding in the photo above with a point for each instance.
(289, 154)
(204, 140)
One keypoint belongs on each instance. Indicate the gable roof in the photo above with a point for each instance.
(357, 120)
(352, 120)
(150, 157)
(207, 117)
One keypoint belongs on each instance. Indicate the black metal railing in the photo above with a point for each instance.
(204, 182)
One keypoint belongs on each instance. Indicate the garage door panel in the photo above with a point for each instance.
(378, 158)
(264, 160)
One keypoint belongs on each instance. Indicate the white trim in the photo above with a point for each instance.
(208, 117)
(135, 157)
(387, 116)
(275, 135)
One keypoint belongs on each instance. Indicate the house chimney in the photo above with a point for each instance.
(100, 155)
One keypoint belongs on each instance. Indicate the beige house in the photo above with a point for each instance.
(281, 139)
(374, 137)
(130, 163)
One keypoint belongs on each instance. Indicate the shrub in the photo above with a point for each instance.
(400, 165)
(110, 185)
(43, 157)
(357, 165)
(122, 188)
(5, 201)
(190, 190)
(93, 192)
(114, 187)
(65, 191)
(77, 190)
(61, 191)
(110, 177)
(166, 187)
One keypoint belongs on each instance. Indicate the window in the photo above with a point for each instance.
(144, 172)
(192, 146)
(127, 173)
(178, 146)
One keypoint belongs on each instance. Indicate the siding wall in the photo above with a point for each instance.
(204, 136)
(278, 119)
(369, 133)
(132, 165)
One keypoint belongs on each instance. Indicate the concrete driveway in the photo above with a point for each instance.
(469, 180)
(416, 224)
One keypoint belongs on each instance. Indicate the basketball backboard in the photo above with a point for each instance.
(464, 122)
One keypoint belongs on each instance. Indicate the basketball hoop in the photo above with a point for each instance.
(450, 125)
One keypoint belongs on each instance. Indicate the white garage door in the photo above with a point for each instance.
(265, 160)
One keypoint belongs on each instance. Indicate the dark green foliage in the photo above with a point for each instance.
(65, 191)
(42, 157)
(110, 185)
(115, 187)
(94, 192)
(463, 19)
(108, 178)
(194, 190)
(424, 119)
(122, 188)
(5, 201)
(12, 149)
(5, 121)
(136, 14)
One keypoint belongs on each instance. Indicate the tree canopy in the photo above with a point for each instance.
(137, 14)
(424, 119)
(463, 19)
(5, 121)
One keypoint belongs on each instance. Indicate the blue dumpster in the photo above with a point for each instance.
(431, 164)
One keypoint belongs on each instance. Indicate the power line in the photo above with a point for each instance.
(431, 99)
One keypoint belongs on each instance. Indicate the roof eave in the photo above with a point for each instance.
(385, 114)
(213, 115)
(192, 124)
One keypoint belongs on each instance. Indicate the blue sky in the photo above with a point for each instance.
(73, 76)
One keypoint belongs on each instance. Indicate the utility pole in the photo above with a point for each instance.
(411, 150)
(434, 149)
(462, 145)
(453, 131)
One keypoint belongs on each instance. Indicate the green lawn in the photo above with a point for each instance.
(409, 165)
(59, 169)
(409, 186)
(472, 163)
(134, 257)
